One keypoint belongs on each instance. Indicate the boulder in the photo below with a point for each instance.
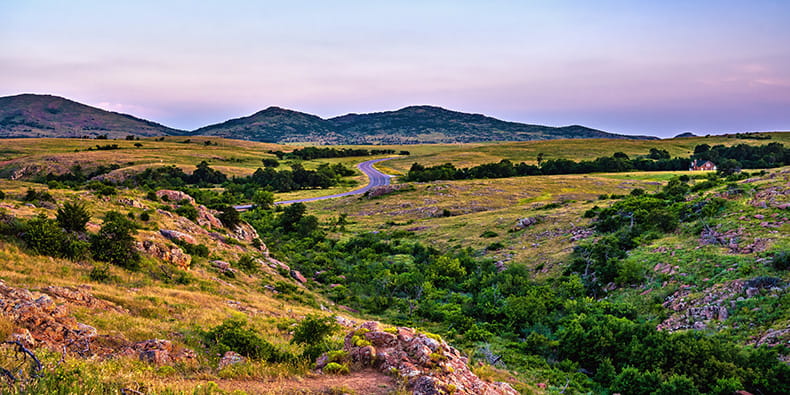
(174, 196)
(167, 253)
(231, 358)
(207, 218)
(298, 276)
(176, 235)
(426, 363)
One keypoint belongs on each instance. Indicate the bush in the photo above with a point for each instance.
(314, 329)
(33, 195)
(229, 216)
(100, 273)
(144, 216)
(248, 264)
(73, 217)
(2, 195)
(187, 211)
(336, 368)
(233, 335)
(44, 236)
(489, 234)
(495, 246)
(781, 260)
(114, 243)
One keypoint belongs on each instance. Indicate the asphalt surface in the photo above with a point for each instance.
(375, 179)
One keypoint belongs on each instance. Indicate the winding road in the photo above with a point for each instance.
(375, 179)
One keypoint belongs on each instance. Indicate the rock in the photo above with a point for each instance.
(207, 218)
(162, 352)
(427, 364)
(164, 252)
(230, 358)
(130, 202)
(245, 232)
(298, 276)
(176, 235)
(174, 196)
(759, 216)
(523, 223)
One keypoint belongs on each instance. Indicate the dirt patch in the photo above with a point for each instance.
(361, 382)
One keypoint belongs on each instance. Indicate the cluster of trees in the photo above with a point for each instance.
(550, 323)
(729, 159)
(66, 236)
(310, 153)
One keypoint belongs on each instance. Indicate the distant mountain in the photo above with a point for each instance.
(276, 125)
(685, 134)
(410, 125)
(29, 115)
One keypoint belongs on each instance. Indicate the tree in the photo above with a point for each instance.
(728, 167)
(115, 242)
(43, 236)
(291, 216)
(229, 217)
(263, 199)
(73, 217)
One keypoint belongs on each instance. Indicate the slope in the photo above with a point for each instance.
(29, 115)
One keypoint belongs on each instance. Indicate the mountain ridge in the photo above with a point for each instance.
(35, 115)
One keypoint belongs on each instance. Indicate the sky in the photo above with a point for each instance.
(634, 67)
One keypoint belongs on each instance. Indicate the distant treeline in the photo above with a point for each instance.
(237, 189)
(728, 159)
(309, 153)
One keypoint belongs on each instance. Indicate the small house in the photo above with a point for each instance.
(697, 165)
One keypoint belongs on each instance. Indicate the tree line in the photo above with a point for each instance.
(728, 160)
(310, 153)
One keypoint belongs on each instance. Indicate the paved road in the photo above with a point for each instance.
(375, 179)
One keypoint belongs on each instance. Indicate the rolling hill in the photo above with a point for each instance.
(29, 115)
(409, 125)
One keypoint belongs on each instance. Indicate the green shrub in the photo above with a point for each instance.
(781, 260)
(144, 216)
(489, 234)
(495, 246)
(234, 335)
(114, 243)
(187, 211)
(33, 195)
(248, 264)
(314, 329)
(336, 368)
(44, 236)
(2, 195)
(100, 273)
(73, 217)
(229, 216)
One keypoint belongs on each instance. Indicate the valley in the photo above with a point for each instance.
(598, 282)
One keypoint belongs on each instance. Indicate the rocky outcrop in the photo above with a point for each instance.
(177, 236)
(245, 232)
(523, 223)
(159, 352)
(40, 322)
(425, 362)
(80, 296)
(230, 358)
(207, 218)
(167, 253)
(174, 196)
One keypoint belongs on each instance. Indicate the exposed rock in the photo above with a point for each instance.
(700, 312)
(207, 218)
(231, 358)
(130, 202)
(174, 196)
(176, 235)
(523, 223)
(426, 363)
(298, 276)
(160, 352)
(245, 232)
(223, 266)
(80, 296)
(164, 252)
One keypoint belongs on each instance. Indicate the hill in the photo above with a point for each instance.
(275, 125)
(30, 115)
(409, 125)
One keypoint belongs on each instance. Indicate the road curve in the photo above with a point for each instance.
(375, 179)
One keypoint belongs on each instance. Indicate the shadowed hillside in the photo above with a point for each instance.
(29, 115)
